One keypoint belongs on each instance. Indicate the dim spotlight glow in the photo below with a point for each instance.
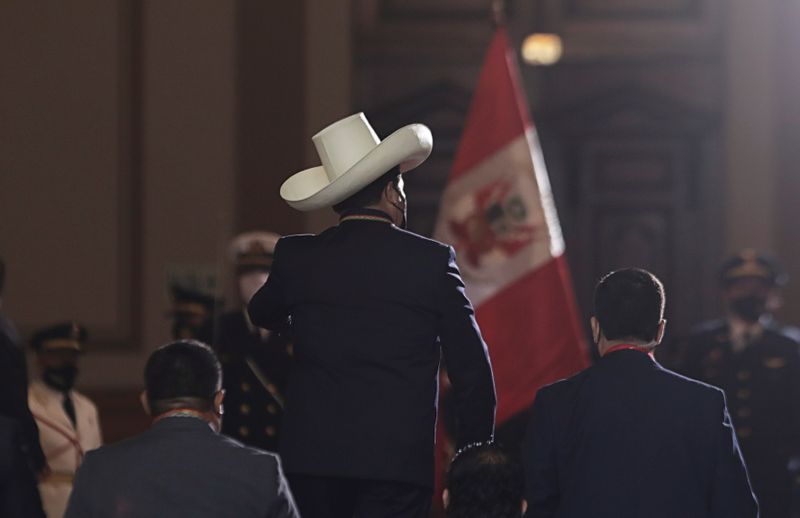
(542, 49)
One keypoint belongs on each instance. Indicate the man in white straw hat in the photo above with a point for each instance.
(370, 307)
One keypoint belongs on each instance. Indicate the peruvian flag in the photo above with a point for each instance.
(498, 212)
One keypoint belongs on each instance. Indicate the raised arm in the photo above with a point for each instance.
(466, 358)
(268, 308)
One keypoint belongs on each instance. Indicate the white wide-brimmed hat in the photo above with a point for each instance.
(352, 157)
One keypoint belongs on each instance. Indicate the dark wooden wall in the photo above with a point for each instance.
(630, 123)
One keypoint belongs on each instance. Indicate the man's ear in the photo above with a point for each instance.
(145, 404)
(445, 498)
(660, 333)
(218, 398)
(524, 506)
(595, 325)
(390, 193)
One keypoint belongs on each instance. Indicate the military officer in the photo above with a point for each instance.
(255, 362)
(192, 314)
(67, 420)
(758, 365)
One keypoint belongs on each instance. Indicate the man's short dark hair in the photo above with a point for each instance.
(182, 374)
(629, 304)
(369, 195)
(484, 482)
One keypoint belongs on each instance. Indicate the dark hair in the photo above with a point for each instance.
(629, 303)
(369, 195)
(484, 482)
(182, 374)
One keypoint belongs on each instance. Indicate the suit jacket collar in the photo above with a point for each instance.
(365, 215)
(628, 357)
(181, 424)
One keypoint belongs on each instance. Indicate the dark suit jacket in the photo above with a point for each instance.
(19, 496)
(14, 393)
(370, 307)
(627, 438)
(180, 468)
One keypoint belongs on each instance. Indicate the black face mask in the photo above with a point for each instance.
(60, 378)
(749, 308)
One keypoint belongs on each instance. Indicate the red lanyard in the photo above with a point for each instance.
(625, 347)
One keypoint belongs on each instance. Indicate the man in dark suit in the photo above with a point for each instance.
(19, 497)
(181, 467)
(370, 307)
(14, 386)
(627, 438)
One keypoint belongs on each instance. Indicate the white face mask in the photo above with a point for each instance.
(249, 284)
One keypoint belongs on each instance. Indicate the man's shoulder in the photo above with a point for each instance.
(695, 388)
(218, 450)
(675, 382)
(421, 242)
(563, 386)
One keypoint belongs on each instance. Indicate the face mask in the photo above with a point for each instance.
(60, 378)
(749, 308)
(250, 283)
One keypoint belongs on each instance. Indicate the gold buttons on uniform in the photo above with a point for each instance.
(743, 412)
(244, 431)
(244, 408)
(270, 431)
(245, 386)
(743, 393)
(272, 409)
(745, 432)
(743, 375)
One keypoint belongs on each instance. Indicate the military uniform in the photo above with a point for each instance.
(67, 420)
(757, 364)
(255, 362)
(762, 384)
(254, 372)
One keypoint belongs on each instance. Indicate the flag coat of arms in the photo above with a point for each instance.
(498, 212)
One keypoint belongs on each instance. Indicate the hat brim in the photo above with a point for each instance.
(311, 189)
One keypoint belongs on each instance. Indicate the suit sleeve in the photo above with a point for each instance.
(539, 459)
(284, 506)
(268, 307)
(731, 494)
(467, 360)
(20, 496)
(14, 399)
(79, 499)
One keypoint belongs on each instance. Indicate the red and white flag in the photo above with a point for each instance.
(498, 212)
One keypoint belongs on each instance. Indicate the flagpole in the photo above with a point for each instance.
(498, 13)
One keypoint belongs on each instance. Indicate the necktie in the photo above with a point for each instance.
(69, 408)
